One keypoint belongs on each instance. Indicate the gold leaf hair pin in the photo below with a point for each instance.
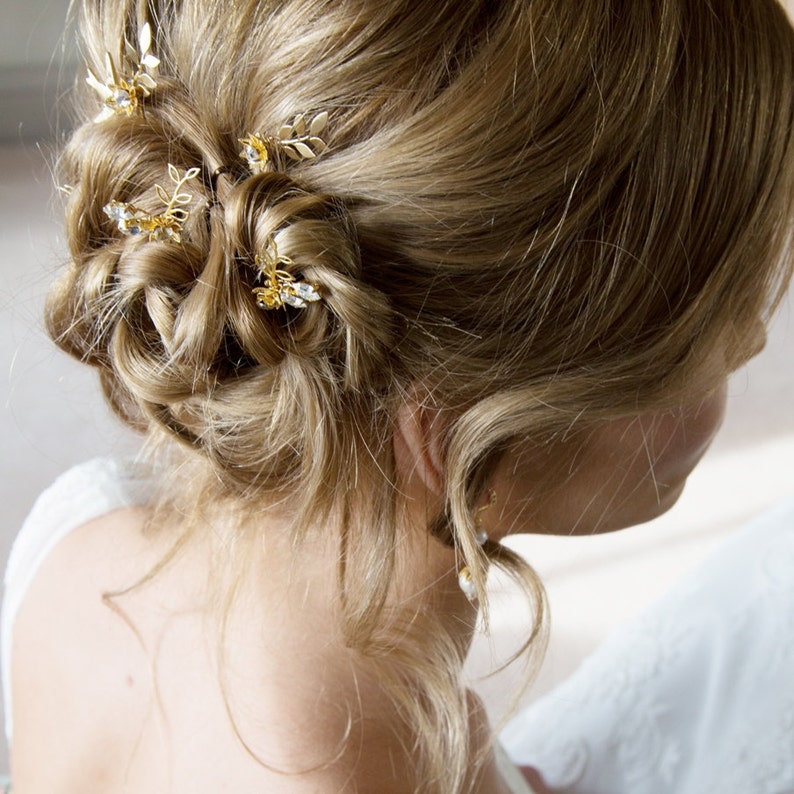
(281, 287)
(298, 141)
(123, 90)
(166, 225)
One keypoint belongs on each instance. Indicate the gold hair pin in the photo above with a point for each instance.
(281, 288)
(298, 141)
(122, 94)
(166, 225)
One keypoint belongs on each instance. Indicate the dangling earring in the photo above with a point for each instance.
(465, 580)
(482, 535)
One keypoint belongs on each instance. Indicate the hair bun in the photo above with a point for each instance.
(315, 239)
(171, 325)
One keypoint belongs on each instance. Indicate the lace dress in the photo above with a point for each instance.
(694, 696)
(80, 495)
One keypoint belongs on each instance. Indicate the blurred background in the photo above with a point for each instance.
(37, 60)
(51, 415)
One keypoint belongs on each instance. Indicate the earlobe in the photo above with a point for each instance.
(419, 432)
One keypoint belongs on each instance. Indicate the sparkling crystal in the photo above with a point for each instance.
(122, 98)
(251, 154)
(292, 300)
(117, 211)
(306, 292)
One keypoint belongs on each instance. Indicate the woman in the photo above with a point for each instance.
(381, 283)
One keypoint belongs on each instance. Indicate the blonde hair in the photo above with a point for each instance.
(545, 212)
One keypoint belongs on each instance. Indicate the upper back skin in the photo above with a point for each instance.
(124, 694)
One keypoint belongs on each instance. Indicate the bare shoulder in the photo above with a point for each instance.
(77, 669)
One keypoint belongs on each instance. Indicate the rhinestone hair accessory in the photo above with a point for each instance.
(297, 141)
(166, 225)
(281, 288)
(124, 89)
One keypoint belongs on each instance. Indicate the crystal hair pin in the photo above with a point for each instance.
(297, 141)
(123, 90)
(281, 288)
(166, 225)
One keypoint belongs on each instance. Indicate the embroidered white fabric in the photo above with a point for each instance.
(693, 696)
(78, 496)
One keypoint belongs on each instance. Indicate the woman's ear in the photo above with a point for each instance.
(418, 444)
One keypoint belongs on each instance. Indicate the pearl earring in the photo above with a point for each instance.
(465, 580)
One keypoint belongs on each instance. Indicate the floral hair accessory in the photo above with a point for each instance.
(122, 93)
(166, 225)
(297, 141)
(281, 288)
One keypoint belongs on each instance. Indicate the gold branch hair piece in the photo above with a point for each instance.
(281, 287)
(166, 225)
(297, 141)
(123, 89)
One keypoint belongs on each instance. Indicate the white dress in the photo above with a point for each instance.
(80, 495)
(694, 696)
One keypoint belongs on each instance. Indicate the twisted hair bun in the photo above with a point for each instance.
(349, 327)
(176, 331)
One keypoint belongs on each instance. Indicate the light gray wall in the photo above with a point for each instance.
(37, 61)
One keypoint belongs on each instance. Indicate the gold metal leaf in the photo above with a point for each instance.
(304, 150)
(319, 123)
(130, 55)
(145, 38)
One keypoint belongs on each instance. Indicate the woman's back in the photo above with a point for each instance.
(130, 699)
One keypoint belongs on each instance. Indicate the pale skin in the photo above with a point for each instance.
(97, 708)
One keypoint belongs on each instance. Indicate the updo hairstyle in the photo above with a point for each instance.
(544, 213)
